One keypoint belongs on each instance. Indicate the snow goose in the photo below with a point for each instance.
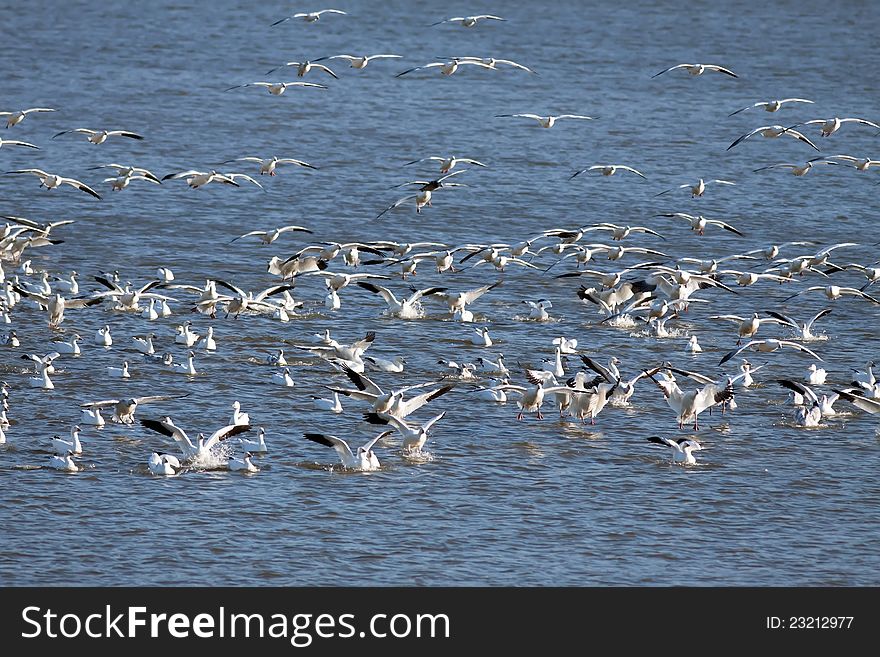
(697, 189)
(682, 448)
(771, 105)
(283, 378)
(69, 347)
(14, 118)
(459, 300)
(92, 417)
(63, 462)
(866, 404)
(447, 68)
(860, 163)
(202, 449)
(125, 170)
(103, 337)
(257, 446)
(74, 446)
(54, 181)
(150, 312)
(127, 298)
(608, 170)
(237, 416)
(532, 398)
(358, 61)
(699, 222)
(364, 459)
(145, 344)
(493, 366)
(809, 410)
(119, 183)
(548, 121)
(119, 372)
(391, 401)
(746, 326)
(446, 164)
(538, 310)
(15, 142)
(698, 69)
(414, 436)
(333, 405)
(160, 463)
(689, 405)
(123, 409)
(196, 179)
(469, 21)
(311, 16)
(100, 136)
(276, 358)
(185, 335)
(269, 164)
(188, 369)
(407, 308)
(772, 132)
(56, 304)
(208, 343)
(693, 346)
(278, 88)
(815, 375)
(66, 285)
(767, 346)
(833, 292)
(832, 125)
(42, 380)
(304, 67)
(395, 364)
(268, 236)
(243, 464)
(481, 339)
(797, 169)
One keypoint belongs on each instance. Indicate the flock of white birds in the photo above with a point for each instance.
(652, 290)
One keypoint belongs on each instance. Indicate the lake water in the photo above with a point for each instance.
(502, 502)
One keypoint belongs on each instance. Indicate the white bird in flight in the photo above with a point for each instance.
(772, 132)
(469, 21)
(358, 61)
(304, 67)
(771, 105)
(548, 121)
(832, 125)
(54, 181)
(447, 68)
(100, 136)
(14, 118)
(698, 69)
(311, 16)
(278, 88)
(447, 163)
(268, 165)
(608, 170)
(15, 142)
(269, 236)
(363, 459)
(697, 189)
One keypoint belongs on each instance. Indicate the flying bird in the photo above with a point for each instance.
(548, 121)
(54, 181)
(469, 21)
(311, 16)
(100, 136)
(698, 69)
(771, 105)
(14, 118)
